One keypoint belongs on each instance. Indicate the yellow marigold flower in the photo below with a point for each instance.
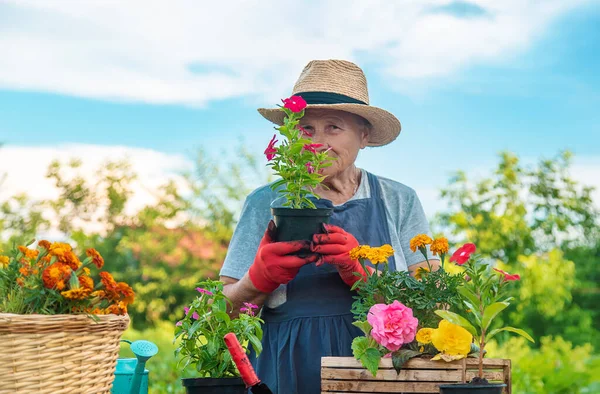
(58, 249)
(424, 335)
(439, 246)
(420, 272)
(96, 258)
(420, 241)
(451, 339)
(86, 281)
(86, 271)
(4, 260)
(56, 275)
(360, 252)
(76, 294)
(28, 253)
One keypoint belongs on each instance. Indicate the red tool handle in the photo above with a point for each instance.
(241, 360)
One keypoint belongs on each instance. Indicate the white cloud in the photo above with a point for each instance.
(191, 52)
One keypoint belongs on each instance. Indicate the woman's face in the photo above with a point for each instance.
(344, 133)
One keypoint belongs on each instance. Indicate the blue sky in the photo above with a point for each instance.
(530, 90)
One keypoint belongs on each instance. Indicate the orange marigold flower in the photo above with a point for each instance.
(420, 241)
(76, 294)
(118, 309)
(24, 271)
(44, 244)
(86, 281)
(70, 259)
(96, 258)
(110, 286)
(439, 246)
(28, 253)
(56, 275)
(20, 282)
(127, 292)
(59, 249)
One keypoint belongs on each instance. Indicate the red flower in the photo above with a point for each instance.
(312, 147)
(294, 103)
(507, 276)
(310, 168)
(304, 132)
(271, 151)
(463, 253)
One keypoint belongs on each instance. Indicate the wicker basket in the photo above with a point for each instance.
(58, 354)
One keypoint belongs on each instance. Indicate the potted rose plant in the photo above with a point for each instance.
(201, 344)
(54, 306)
(483, 293)
(298, 162)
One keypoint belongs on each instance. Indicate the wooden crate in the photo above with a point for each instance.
(419, 375)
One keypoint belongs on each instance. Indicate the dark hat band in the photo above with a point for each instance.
(328, 98)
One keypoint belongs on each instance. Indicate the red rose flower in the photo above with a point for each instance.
(507, 276)
(294, 103)
(463, 253)
(271, 151)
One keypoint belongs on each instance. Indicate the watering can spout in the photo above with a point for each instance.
(131, 374)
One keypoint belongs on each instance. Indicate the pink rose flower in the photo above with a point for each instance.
(393, 325)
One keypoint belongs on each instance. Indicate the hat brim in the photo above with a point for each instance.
(386, 127)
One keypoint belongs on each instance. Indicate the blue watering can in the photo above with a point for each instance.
(131, 375)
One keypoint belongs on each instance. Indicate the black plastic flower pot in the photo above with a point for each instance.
(299, 224)
(214, 386)
(467, 388)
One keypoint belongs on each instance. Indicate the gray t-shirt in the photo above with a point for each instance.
(405, 217)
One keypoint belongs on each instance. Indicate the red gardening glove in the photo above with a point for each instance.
(334, 248)
(275, 263)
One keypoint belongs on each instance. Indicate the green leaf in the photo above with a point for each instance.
(458, 320)
(401, 356)
(469, 295)
(371, 360)
(224, 317)
(364, 326)
(359, 347)
(491, 311)
(296, 148)
(511, 329)
(256, 344)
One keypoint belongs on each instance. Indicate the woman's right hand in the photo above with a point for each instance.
(276, 263)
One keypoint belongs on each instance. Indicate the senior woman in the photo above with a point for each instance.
(306, 297)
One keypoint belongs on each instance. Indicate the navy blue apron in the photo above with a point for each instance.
(316, 321)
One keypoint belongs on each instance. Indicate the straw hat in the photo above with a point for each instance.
(340, 85)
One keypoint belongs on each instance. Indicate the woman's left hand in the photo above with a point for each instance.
(334, 248)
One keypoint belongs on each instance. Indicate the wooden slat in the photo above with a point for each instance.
(379, 387)
(414, 375)
(415, 363)
(489, 375)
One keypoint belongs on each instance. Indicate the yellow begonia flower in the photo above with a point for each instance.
(424, 335)
(451, 339)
